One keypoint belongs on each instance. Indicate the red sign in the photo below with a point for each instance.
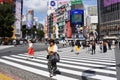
(1, 1)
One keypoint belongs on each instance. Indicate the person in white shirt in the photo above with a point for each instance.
(30, 50)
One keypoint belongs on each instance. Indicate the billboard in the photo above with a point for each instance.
(18, 16)
(77, 16)
(63, 2)
(73, 2)
(30, 19)
(110, 2)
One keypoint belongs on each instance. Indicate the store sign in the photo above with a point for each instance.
(63, 2)
(73, 2)
(52, 4)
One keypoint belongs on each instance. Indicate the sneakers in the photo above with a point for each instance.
(52, 74)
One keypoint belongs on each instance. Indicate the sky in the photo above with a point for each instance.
(40, 7)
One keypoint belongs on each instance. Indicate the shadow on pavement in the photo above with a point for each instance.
(86, 74)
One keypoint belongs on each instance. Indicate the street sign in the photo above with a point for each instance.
(73, 2)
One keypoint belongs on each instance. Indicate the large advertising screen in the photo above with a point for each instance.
(18, 16)
(77, 17)
(110, 2)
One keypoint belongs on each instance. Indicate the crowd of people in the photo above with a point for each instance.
(76, 45)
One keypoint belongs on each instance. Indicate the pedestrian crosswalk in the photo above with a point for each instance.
(72, 67)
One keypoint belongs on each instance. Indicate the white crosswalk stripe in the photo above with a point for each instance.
(71, 67)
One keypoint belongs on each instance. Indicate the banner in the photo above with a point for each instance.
(18, 16)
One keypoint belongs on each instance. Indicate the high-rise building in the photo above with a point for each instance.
(30, 18)
(92, 21)
(109, 17)
(92, 11)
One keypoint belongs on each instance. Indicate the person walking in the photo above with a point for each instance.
(101, 47)
(93, 47)
(104, 46)
(109, 44)
(72, 45)
(52, 49)
(77, 47)
(30, 50)
(119, 44)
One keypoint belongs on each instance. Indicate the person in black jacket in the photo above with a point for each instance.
(93, 47)
(72, 44)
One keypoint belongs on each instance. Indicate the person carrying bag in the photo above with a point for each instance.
(53, 57)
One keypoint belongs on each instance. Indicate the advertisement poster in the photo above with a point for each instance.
(18, 16)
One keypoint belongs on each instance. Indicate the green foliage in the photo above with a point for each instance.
(40, 33)
(7, 19)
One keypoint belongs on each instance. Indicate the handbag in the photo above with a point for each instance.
(47, 57)
(55, 57)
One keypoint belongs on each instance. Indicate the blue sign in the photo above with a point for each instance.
(77, 17)
(52, 3)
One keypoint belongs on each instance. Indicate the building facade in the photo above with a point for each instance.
(109, 17)
(92, 22)
(92, 11)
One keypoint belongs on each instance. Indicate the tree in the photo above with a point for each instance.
(7, 19)
(40, 34)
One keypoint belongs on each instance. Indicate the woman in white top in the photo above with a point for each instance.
(30, 50)
(52, 49)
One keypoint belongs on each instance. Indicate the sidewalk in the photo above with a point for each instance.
(5, 46)
(5, 77)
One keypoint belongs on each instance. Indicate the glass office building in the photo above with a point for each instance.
(109, 17)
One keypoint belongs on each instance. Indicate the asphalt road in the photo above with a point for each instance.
(100, 66)
(117, 55)
(19, 49)
(19, 74)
